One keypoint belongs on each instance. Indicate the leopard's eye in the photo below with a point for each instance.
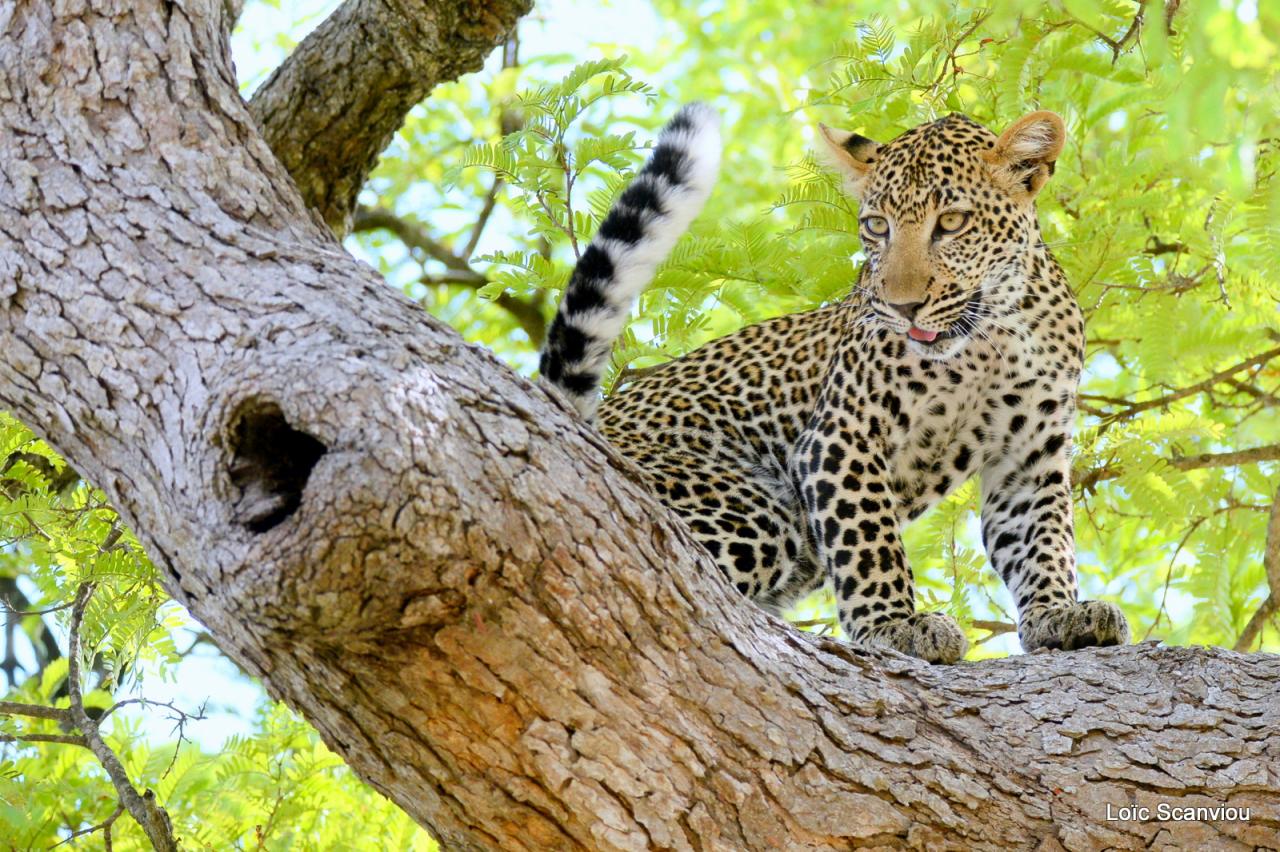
(876, 226)
(949, 223)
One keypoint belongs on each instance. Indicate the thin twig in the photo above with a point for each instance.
(143, 808)
(490, 201)
(631, 374)
(1168, 574)
(64, 739)
(1269, 452)
(43, 644)
(1266, 397)
(104, 827)
(412, 235)
(146, 702)
(996, 627)
(508, 122)
(1117, 46)
(568, 200)
(1135, 27)
(23, 613)
(1177, 283)
(950, 59)
(1086, 480)
(1271, 564)
(1199, 387)
(827, 624)
(527, 314)
(180, 719)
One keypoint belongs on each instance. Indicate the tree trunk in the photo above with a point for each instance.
(459, 584)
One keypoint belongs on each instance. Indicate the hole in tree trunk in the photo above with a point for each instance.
(270, 464)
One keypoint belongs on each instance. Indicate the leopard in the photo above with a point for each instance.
(797, 449)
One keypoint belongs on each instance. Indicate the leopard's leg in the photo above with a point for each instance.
(1027, 530)
(851, 509)
(742, 518)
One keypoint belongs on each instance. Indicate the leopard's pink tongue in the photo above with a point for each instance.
(920, 334)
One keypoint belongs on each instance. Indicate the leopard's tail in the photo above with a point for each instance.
(637, 235)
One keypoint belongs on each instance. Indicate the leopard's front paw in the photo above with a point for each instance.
(1080, 625)
(931, 636)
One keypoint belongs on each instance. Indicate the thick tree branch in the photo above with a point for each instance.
(457, 582)
(332, 107)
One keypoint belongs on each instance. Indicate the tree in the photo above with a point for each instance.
(456, 581)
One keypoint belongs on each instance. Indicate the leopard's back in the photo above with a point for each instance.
(747, 394)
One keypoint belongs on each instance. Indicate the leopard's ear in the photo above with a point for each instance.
(849, 154)
(1023, 156)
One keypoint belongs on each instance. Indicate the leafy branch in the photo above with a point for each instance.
(458, 269)
(542, 166)
(1087, 480)
(150, 816)
(104, 827)
(1131, 409)
(1130, 35)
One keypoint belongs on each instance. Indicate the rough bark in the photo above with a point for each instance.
(332, 107)
(456, 581)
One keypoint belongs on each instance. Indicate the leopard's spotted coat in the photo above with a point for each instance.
(796, 449)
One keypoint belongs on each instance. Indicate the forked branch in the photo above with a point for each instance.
(333, 106)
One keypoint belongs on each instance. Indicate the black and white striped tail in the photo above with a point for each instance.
(637, 235)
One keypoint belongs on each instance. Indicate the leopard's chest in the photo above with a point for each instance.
(941, 447)
(935, 424)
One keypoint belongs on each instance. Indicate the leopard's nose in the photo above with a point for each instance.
(907, 309)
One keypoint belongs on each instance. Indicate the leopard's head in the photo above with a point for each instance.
(947, 220)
